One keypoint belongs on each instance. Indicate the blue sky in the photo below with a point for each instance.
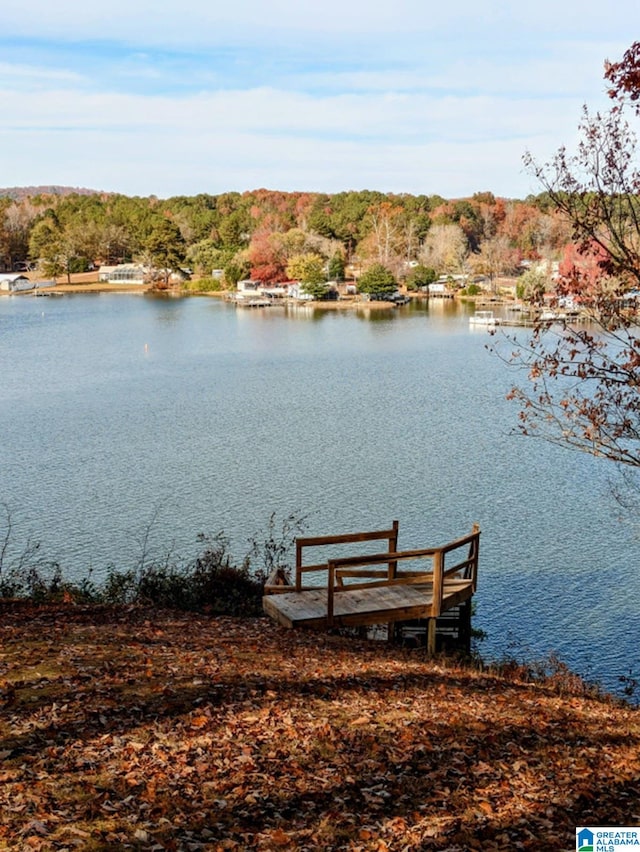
(164, 98)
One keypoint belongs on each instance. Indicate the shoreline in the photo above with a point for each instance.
(61, 288)
(88, 283)
(102, 287)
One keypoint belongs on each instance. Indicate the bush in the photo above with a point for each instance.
(44, 583)
(420, 276)
(204, 285)
(210, 583)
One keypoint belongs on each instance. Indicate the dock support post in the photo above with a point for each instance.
(464, 627)
(431, 637)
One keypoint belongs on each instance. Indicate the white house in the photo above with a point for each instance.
(438, 288)
(295, 291)
(104, 272)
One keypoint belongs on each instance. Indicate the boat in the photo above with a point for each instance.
(485, 318)
(557, 316)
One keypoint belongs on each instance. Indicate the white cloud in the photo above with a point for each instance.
(34, 76)
(165, 145)
(166, 99)
(265, 111)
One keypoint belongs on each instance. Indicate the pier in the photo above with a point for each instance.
(390, 587)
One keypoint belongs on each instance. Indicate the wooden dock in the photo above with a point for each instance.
(377, 588)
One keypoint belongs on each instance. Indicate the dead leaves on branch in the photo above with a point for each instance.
(157, 731)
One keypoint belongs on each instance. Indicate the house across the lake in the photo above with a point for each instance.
(123, 273)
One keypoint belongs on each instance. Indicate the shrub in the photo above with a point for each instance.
(44, 583)
(420, 276)
(209, 583)
(204, 285)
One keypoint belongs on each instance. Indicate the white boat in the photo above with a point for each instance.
(485, 318)
(557, 316)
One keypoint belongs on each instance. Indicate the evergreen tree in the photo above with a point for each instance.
(377, 279)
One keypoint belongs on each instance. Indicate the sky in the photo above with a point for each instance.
(405, 96)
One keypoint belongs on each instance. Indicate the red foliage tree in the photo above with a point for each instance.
(267, 258)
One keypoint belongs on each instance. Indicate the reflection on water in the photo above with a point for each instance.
(119, 409)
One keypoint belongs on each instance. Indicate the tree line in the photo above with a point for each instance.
(273, 236)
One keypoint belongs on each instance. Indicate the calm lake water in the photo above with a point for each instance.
(120, 413)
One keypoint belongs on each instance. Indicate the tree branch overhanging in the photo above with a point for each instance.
(583, 382)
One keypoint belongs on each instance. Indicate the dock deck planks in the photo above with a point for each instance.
(363, 606)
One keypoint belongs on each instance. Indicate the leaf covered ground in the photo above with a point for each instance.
(134, 729)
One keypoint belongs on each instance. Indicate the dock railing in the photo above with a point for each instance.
(302, 544)
(358, 569)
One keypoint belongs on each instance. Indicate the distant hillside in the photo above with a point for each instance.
(20, 192)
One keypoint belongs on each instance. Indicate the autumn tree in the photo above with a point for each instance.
(466, 215)
(445, 248)
(268, 257)
(309, 270)
(345, 218)
(520, 227)
(16, 221)
(495, 258)
(583, 388)
(384, 242)
(293, 242)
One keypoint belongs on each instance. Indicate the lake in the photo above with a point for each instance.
(125, 413)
